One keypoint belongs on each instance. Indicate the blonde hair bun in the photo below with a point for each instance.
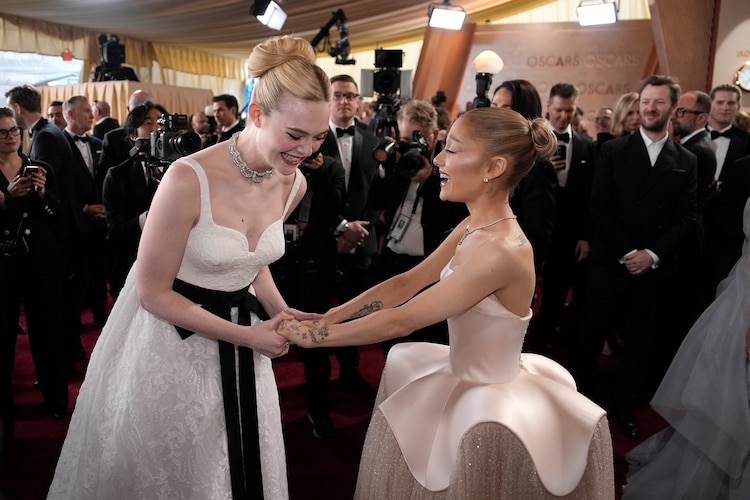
(277, 51)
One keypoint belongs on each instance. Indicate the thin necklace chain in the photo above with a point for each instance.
(467, 232)
(247, 172)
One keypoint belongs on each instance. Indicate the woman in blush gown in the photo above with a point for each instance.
(476, 419)
(705, 451)
(180, 399)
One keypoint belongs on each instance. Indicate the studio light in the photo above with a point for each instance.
(270, 14)
(486, 64)
(594, 12)
(446, 16)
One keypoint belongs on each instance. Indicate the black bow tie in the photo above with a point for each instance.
(562, 137)
(727, 133)
(81, 138)
(342, 131)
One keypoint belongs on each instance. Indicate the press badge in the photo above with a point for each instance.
(399, 228)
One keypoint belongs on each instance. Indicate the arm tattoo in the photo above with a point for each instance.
(521, 240)
(315, 333)
(367, 309)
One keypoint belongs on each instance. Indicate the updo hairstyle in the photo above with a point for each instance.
(286, 65)
(506, 133)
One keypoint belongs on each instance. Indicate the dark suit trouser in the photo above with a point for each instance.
(616, 298)
(41, 294)
(560, 273)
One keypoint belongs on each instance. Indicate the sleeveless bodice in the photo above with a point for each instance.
(218, 257)
(434, 394)
(485, 355)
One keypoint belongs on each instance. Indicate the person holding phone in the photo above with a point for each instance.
(28, 209)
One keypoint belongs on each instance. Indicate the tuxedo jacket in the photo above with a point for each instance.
(533, 201)
(702, 147)
(637, 206)
(116, 147)
(739, 146)
(49, 145)
(363, 183)
(572, 222)
(126, 195)
(722, 216)
(105, 125)
(86, 186)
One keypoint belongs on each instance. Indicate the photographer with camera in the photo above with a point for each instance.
(417, 220)
(127, 193)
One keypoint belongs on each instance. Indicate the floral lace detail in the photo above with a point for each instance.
(149, 421)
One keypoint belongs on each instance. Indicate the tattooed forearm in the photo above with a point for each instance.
(521, 240)
(368, 309)
(311, 331)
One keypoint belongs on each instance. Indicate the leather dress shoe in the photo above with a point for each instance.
(628, 425)
(322, 426)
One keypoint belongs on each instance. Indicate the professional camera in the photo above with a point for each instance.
(402, 157)
(173, 140)
(387, 83)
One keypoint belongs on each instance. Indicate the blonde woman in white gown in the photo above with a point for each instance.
(477, 419)
(180, 399)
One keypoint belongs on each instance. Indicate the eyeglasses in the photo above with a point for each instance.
(349, 96)
(15, 131)
(680, 112)
(602, 118)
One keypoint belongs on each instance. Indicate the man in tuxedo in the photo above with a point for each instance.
(104, 120)
(416, 219)
(643, 203)
(55, 114)
(116, 144)
(688, 291)
(226, 113)
(48, 145)
(89, 253)
(566, 263)
(356, 244)
(720, 214)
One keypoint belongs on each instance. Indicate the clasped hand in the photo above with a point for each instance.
(638, 262)
(304, 333)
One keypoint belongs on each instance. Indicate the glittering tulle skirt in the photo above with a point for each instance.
(492, 464)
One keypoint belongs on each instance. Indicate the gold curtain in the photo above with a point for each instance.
(152, 62)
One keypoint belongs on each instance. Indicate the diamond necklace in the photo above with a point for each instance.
(467, 232)
(246, 171)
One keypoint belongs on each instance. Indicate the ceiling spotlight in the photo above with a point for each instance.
(594, 12)
(269, 13)
(446, 16)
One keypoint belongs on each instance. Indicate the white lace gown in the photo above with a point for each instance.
(149, 420)
(480, 420)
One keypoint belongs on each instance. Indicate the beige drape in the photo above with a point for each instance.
(152, 62)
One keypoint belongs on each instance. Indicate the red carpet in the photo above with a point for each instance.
(317, 469)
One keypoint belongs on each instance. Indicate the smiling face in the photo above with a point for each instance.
(291, 134)
(656, 108)
(460, 164)
(724, 108)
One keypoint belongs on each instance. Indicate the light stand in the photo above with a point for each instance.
(486, 64)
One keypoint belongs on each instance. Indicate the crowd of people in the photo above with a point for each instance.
(301, 228)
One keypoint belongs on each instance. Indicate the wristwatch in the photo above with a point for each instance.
(341, 228)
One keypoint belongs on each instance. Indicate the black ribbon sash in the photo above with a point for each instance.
(243, 442)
